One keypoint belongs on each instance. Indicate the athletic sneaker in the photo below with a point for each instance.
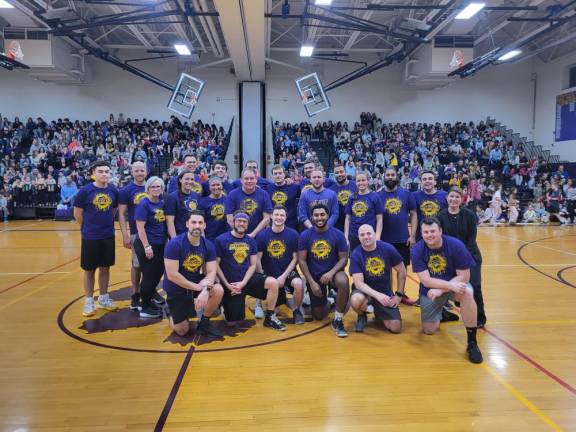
(370, 309)
(361, 323)
(474, 354)
(306, 299)
(135, 302)
(338, 326)
(417, 302)
(157, 299)
(206, 328)
(105, 302)
(481, 323)
(258, 311)
(448, 316)
(88, 307)
(298, 317)
(407, 300)
(272, 321)
(151, 312)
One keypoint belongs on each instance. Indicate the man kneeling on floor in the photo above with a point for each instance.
(370, 267)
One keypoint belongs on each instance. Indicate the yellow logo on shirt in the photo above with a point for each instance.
(308, 186)
(436, 264)
(249, 206)
(375, 266)
(218, 212)
(343, 197)
(159, 215)
(393, 206)
(240, 251)
(276, 248)
(279, 198)
(193, 262)
(321, 249)
(192, 205)
(102, 202)
(197, 187)
(429, 208)
(139, 197)
(359, 208)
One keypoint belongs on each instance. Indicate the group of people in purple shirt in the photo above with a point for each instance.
(215, 243)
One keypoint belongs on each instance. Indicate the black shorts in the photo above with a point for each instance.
(381, 313)
(97, 253)
(316, 301)
(404, 251)
(235, 306)
(182, 306)
(288, 285)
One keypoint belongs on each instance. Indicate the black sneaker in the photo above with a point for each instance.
(157, 299)
(207, 329)
(481, 323)
(298, 317)
(135, 302)
(272, 321)
(448, 316)
(361, 323)
(338, 326)
(417, 302)
(474, 354)
(150, 312)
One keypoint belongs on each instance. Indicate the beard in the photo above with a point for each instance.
(390, 184)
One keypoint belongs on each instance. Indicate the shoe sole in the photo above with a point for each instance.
(275, 328)
(342, 335)
(87, 314)
(111, 309)
(135, 308)
(149, 316)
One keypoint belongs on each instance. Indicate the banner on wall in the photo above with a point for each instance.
(565, 117)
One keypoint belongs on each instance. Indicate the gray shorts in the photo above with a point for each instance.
(135, 262)
(431, 310)
(381, 313)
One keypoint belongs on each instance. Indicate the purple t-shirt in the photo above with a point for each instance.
(441, 263)
(343, 193)
(397, 206)
(254, 205)
(180, 205)
(153, 215)
(310, 198)
(277, 249)
(131, 195)
(323, 249)
(286, 195)
(215, 216)
(191, 259)
(234, 254)
(98, 205)
(429, 205)
(227, 187)
(363, 209)
(375, 265)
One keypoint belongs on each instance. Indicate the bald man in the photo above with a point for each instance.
(370, 266)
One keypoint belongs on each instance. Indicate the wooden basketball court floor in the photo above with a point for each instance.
(62, 372)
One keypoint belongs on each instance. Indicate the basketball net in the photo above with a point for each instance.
(457, 60)
(14, 51)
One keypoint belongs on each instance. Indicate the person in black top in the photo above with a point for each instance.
(460, 222)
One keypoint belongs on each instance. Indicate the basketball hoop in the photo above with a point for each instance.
(14, 51)
(457, 60)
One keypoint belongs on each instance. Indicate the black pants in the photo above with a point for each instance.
(152, 270)
(571, 206)
(476, 282)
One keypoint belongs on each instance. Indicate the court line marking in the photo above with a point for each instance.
(33, 273)
(532, 322)
(38, 275)
(174, 392)
(532, 242)
(514, 391)
(22, 226)
(524, 265)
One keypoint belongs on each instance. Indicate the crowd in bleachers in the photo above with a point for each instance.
(42, 164)
(500, 181)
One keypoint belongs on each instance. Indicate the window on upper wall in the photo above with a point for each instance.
(572, 77)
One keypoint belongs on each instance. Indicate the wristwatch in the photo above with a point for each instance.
(399, 294)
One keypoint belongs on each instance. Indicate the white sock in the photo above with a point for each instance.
(338, 315)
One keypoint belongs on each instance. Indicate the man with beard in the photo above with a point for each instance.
(237, 256)
(128, 199)
(322, 256)
(443, 264)
(309, 166)
(429, 200)
(214, 208)
(189, 278)
(370, 267)
(317, 195)
(252, 201)
(399, 210)
(284, 194)
(278, 256)
(343, 189)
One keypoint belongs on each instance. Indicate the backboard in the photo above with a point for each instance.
(185, 96)
(312, 94)
(9, 63)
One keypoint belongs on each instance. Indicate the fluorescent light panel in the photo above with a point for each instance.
(509, 55)
(470, 10)
(306, 50)
(5, 5)
(182, 49)
(323, 2)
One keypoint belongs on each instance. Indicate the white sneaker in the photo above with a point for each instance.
(105, 302)
(258, 311)
(306, 299)
(369, 309)
(88, 307)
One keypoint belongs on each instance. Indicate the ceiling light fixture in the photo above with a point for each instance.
(306, 50)
(509, 55)
(470, 10)
(182, 49)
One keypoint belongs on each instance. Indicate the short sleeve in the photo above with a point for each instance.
(395, 257)
(462, 258)
(172, 251)
(303, 240)
(261, 241)
(253, 246)
(341, 242)
(141, 213)
(80, 199)
(230, 203)
(378, 207)
(220, 249)
(356, 262)
(210, 251)
(266, 202)
(123, 196)
(417, 258)
(411, 200)
(170, 205)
